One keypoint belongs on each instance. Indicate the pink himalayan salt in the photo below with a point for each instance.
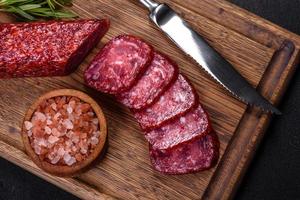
(28, 125)
(53, 106)
(52, 139)
(63, 132)
(55, 159)
(48, 130)
(40, 116)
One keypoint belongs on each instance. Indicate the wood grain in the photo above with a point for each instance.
(263, 53)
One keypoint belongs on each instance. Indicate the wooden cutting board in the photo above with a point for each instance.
(265, 54)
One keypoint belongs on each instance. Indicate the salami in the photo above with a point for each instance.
(196, 155)
(160, 74)
(176, 101)
(185, 128)
(52, 48)
(119, 64)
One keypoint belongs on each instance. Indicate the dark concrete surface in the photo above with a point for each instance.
(275, 170)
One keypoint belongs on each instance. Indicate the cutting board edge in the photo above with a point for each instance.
(225, 181)
(265, 121)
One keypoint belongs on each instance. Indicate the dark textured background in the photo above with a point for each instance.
(274, 172)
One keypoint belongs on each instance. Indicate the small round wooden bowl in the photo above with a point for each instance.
(77, 168)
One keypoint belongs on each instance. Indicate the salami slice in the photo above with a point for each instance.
(160, 74)
(174, 102)
(191, 125)
(52, 48)
(119, 64)
(196, 155)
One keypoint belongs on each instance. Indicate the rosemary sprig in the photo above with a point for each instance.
(33, 9)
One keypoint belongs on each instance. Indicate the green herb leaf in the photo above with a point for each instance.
(30, 9)
(22, 13)
(29, 6)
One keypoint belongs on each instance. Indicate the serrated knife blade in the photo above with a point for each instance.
(208, 58)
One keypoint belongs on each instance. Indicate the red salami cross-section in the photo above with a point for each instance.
(196, 155)
(187, 127)
(176, 101)
(160, 74)
(165, 104)
(47, 48)
(119, 64)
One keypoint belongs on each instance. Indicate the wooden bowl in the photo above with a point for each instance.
(63, 170)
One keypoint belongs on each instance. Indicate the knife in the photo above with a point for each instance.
(208, 58)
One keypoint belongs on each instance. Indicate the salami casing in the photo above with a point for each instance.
(161, 73)
(174, 102)
(118, 66)
(196, 155)
(52, 48)
(193, 124)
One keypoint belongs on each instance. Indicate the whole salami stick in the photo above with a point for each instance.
(53, 48)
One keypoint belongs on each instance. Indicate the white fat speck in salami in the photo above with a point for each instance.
(174, 102)
(191, 125)
(161, 73)
(119, 64)
(193, 156)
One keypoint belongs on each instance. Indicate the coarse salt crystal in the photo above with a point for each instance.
(48, 130)
(55, 159)
(69, 109)
(61, 151)
(54, 106)
(69, 134)
(51, 156)
(91, 114)
(62, 130)
(63, 133)
(55, 132)
(95, 121)
(78, 110)
(41, 142)
(52, 139)
(68, 124)
(74, 149)
(71, 117)
(67, 157)
(49, 122)
(28, 125)
(83, 150)
(72, 104)
(94, 140)
(71, 161)
(40, 116)
(56, 116)
(29, 133)
(37, 149)
(64, 98)
(96, 133)
(48, 116)
(75, 139)
(68, 143)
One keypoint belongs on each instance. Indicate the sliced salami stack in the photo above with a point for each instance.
(163, 101)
